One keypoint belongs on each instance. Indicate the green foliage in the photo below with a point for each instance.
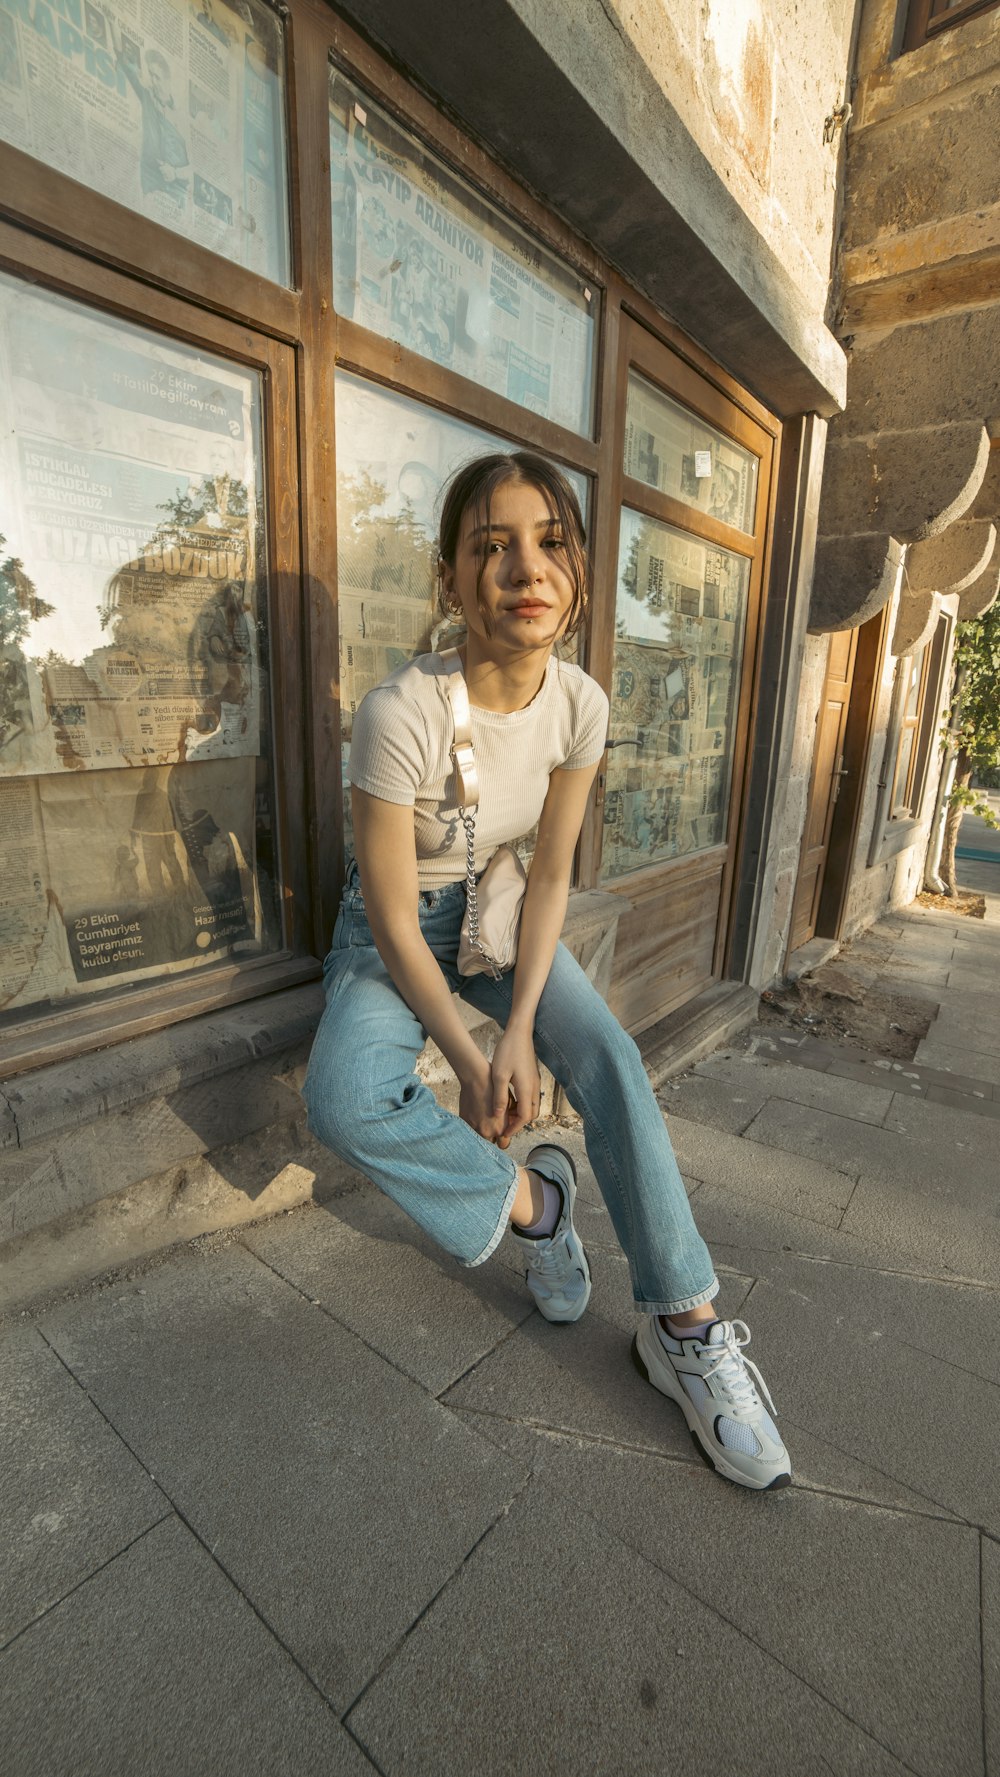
(976, 720)
(975, 716)
(20, 605)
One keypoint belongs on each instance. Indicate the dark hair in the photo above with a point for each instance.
(474, 486)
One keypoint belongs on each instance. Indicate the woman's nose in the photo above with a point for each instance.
(529, 563)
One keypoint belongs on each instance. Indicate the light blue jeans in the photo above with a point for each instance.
(366, 1104)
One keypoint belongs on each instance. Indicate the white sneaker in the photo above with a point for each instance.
(709, 1378)
(558, 1272)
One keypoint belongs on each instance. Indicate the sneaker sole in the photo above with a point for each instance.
(567, 1320)
(718, 1464)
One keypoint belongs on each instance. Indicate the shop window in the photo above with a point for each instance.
(136, 788)
(926, 19)
(912, 739)
(421, 258)
(172, 107)
(680, 618)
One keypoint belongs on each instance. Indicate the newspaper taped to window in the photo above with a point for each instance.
(680, 454)
(419, 257)
(127, 876)
(130, 597)
(680, 617)
(173, 107)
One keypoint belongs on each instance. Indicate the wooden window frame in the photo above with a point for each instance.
(897, 821)
(60, 233)
(927, 19)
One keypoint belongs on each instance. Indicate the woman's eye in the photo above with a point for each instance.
(554, 543)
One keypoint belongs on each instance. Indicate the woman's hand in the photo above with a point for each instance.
(516, 1085)
(476, 1103)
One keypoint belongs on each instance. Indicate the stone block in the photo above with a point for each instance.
(936, 372)
(953, 560)
(107, 1154)
(991, 1651)
(803, 1085)
(911, 482)
(336, 1494)
(854, 576)
(158, 1664)
(916, 620)
(978, 598)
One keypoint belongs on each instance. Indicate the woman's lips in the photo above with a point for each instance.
(529, 608)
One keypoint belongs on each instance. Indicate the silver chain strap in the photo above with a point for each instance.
(472, 902)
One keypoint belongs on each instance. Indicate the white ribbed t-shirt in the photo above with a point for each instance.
(400, 751)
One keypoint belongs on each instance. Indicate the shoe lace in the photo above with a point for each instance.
(731, 1368)
(549, 1257)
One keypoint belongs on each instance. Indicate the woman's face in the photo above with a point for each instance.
(525, 593)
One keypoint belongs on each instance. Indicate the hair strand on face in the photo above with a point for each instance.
(472, 490)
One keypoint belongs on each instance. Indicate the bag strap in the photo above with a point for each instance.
(462, 751)
(467, 778)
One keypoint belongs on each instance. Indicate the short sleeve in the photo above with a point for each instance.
(591, 729)
(389, 745)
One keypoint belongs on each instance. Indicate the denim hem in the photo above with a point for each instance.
(683, 1304)
(498, 1232)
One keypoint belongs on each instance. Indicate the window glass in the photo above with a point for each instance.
(394, 457)
(671, 449)
(136, 794)
(420, 257)
(679, 623)
(173, 107)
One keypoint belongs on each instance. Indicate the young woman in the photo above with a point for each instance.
(513, 567)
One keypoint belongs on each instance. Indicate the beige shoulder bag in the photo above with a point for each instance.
(488, 941)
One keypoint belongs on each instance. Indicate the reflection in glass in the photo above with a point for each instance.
(136, 795)
(679, 623)
(183, 119)
(394, 457)
(671, 449)
(420, 257)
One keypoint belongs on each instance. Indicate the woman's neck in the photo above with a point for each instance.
(503, 685)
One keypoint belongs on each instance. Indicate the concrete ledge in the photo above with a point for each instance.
(694, 1030)
(109, 1158)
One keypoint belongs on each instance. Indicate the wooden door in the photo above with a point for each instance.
(827, 776)
(691, 498)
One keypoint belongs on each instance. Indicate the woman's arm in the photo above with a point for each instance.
(515, 1069)
(387, 860)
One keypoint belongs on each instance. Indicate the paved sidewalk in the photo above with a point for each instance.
(310, 1498)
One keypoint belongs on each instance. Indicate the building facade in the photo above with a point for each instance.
(266, 276)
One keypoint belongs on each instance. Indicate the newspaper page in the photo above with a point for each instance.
(130, 512)
(678, 652)
(421, 258)
(173, 107)
(671, 449)
(130, 876)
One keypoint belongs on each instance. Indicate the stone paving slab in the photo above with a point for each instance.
(155, 1665)
(917, 1232)
(494, 1679)
(801, 1085)
(337, 1494)
(904, 1664)
(723, 1103)
(581, 1377)
(931, 1425)
(72, 1495)
(972, 1064)
(803, 1187)
(972, 1020)
(930, 1149)
(375, 1272)
(991, 1650)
